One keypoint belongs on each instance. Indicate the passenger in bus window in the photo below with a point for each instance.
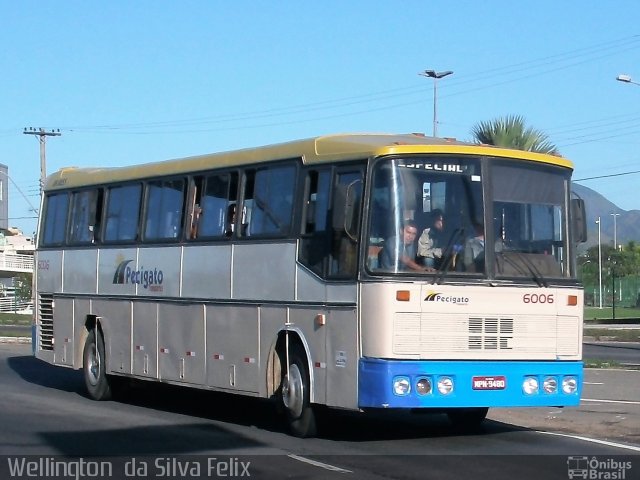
(474, 250)
(430, 242)
(231, 220)
(399, 252)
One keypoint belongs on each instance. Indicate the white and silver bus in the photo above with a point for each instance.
(265, 272)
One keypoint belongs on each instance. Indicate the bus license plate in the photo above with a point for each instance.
(490, 383)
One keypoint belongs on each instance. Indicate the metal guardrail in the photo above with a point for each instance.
(11, 304)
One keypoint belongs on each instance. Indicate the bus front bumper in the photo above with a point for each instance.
(445, 384)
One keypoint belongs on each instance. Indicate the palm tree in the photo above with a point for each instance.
(511, 132)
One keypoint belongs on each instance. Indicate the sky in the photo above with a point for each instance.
(129, 82)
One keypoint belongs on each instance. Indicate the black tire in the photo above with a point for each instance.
(295, 394)
(467, 419)
(94, 367)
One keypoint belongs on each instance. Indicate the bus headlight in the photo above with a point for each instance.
(401, 386)
(569, 385)
(423, 387)
(530, 385)
(550, 385)
(445, 385)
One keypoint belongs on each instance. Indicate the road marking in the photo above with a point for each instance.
(326, 466)
(593, 383)
(635, 448)
(628, 402)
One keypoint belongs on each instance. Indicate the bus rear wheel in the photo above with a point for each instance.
(94, 367)
(295, 396)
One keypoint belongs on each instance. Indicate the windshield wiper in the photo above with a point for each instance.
(448, 251)
(524, 260)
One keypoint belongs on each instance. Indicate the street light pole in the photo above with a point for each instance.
(599, 263)
(615, 230)
(436, 76)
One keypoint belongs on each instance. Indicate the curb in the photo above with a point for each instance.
(15, 339)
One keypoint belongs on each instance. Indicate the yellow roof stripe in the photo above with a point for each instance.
(331, 148)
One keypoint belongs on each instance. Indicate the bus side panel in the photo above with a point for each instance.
(305, 322)
(181, 343)
(115, 319)
(342, 358)
(80, 271)
(206, 272)
(145, 339)
(49, 277)
(157, 272)
(309, 288)
(264, 272)
(232, 347)
(112, 269)
(63, 332)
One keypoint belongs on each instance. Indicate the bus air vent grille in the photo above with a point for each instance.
(45, 314)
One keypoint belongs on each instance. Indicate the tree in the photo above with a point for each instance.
(511, 132)
(23, 290)
(620, 264)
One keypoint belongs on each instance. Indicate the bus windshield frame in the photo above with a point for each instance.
(428, 215)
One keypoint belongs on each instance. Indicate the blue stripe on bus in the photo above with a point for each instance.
(376, 377)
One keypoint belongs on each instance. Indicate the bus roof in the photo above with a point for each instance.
(317, 150)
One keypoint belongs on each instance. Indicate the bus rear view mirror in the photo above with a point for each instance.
(578, 220)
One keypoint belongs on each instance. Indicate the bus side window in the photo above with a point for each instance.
(315, 246)
(122, 213)
(347, 198)
(216, 202)
(268, 200)
(273, 192)
(165, 201)
(55, 219)
(86, 210)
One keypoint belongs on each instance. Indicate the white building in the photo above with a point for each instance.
(16, 257)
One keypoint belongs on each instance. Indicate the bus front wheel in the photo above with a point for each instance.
(94, 368)
(295, 396)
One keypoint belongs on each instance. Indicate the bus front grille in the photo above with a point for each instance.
(476, 336)
(45, 316)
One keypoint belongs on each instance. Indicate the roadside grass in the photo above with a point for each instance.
(595, 363)
(15, 319)
(609, 335)
(606, 313)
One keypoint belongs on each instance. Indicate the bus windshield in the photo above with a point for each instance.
(427, 217)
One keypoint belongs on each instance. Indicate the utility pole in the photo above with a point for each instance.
(42, 138)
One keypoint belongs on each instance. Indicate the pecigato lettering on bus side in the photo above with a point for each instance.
(146, 278)
(438, 297)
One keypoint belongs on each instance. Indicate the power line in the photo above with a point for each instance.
(542, 66)
(606, 176)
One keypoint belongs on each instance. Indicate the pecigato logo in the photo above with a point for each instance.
(439, 297)
(146, 278)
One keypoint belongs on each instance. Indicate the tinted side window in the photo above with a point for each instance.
(216, 206)
(164, 207)
(55, 219)
(272, 202)
(345, 224)
(85, 212)
(315, 244)
(123, 211)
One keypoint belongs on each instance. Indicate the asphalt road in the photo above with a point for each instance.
(44, 412)
(624, 353)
